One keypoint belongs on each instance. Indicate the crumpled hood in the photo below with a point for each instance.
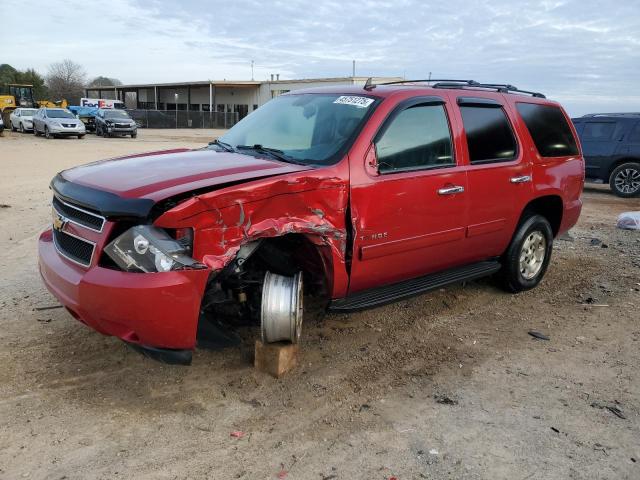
(160, 175)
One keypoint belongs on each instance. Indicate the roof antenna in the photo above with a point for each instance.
(368, 85)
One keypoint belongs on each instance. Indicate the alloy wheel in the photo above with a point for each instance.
(628, 180)
(532, 254)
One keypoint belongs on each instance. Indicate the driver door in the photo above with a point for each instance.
(409, 208)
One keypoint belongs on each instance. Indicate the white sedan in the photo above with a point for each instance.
(22, 119)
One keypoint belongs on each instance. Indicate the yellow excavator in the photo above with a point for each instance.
(15, 95)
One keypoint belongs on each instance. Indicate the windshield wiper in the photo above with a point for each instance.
(224, 145)
(274, 152)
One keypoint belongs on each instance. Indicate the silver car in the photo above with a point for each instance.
(22, 119)
(57, 122)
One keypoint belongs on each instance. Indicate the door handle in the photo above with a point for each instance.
(522, 179)
(451, 190)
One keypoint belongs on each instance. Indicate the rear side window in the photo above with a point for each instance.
(418, 137)
(599, 130)
(489, 135)
(549, 129)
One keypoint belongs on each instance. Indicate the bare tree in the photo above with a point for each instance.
(66, 79)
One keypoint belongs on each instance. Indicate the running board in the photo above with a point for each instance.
(408, 288)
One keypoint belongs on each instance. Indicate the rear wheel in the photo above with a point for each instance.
(625, 180)
(527, 258)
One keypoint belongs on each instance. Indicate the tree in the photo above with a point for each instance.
(7, 74)
(104, 82)
(31, 77)
(66, 79)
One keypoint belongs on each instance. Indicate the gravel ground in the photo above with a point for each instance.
(445, 385)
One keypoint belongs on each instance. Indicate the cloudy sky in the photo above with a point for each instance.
(584, 53)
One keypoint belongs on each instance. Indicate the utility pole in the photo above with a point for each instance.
(252, 70)
(353, 69)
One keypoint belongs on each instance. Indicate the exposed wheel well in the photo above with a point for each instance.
(619, 162)
(234, 295)
(550, 207)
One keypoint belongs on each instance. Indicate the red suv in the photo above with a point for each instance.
(362, 195)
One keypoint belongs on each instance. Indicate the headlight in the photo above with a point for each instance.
(145, 248)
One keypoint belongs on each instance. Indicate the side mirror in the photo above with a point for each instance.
(371, 161)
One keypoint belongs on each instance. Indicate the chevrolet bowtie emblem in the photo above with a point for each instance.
(58, 221)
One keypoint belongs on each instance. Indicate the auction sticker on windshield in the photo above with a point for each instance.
(360, 102)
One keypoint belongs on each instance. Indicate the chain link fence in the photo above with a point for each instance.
(183, 119)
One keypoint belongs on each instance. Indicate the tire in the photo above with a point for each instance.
(80, 137)
(134, 135)
(625, 180)
(21, 128)
(47, 134)
(526, 260)
(35, 130)
(13, 129)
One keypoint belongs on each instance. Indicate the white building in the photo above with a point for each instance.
(214, 95)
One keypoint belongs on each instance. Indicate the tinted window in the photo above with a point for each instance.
(418, 137)
(635, 133)
(489, 134)
(599, 130)
(549, 129)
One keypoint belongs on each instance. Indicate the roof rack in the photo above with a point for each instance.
(619, 114)
(448, 83)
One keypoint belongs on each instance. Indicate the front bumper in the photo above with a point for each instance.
(158, 310)
(122, 130)
(58, 130)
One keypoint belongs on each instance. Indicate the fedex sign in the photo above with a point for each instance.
(100, 103)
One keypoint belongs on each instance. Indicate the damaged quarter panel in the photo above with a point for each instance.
(312, 203)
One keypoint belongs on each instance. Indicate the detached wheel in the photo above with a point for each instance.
(625, 180)
(527, 258)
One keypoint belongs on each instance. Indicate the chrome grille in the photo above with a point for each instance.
(78, 215)
(74, 248)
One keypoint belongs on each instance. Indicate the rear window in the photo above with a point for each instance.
(549, 129)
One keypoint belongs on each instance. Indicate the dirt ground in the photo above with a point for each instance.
(446, 385)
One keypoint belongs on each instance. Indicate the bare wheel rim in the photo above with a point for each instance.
(628, 180)
(532, 254)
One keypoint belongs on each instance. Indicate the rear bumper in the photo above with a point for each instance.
(159, 310)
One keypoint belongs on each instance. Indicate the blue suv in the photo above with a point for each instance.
(611, 148)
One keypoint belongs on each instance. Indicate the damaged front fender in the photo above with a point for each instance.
(305, 203)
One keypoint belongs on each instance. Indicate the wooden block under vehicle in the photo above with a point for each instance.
(276, 358)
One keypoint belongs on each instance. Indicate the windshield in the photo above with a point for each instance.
(59, 114)
(115, 114)
(27, 112)
(307, 128)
